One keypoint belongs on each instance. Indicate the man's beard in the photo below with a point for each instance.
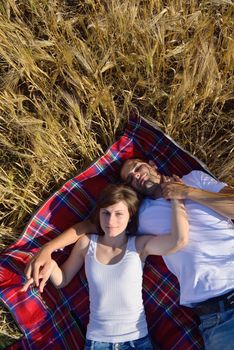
(151, 189)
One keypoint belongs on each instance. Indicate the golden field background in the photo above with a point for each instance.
(70, 72)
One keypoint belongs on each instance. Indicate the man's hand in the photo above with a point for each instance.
(174, 189)
(39, 264)
(221, 202)
(43, 277)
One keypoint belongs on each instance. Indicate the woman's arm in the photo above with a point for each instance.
(62, 276)
(167, 243)
(42, 260)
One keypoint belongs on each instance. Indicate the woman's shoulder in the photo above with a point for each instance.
(83, 242)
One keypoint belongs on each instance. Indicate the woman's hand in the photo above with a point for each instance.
(174, 188)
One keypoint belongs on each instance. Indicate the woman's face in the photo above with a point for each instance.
(114, 219)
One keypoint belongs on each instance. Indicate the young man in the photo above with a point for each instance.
(204, 268)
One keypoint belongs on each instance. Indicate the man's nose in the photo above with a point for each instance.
(136, 175)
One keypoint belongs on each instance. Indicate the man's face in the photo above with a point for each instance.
(139, 174)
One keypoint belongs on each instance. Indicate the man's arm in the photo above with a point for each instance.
(41, 262)
(61, 276)
(222, 202)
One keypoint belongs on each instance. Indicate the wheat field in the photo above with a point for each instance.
(70, 73)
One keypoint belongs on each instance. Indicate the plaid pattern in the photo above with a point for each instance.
(57, 319)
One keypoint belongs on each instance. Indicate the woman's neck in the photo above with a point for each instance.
(114, 242)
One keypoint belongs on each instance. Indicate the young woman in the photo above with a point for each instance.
(114, 267)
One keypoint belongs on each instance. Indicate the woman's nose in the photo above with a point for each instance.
(110, 219)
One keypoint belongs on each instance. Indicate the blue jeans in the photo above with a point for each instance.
(218, 330)
(139, 344)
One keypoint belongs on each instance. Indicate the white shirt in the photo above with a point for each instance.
(205, 267)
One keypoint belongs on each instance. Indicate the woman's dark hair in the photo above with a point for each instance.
(113, 194)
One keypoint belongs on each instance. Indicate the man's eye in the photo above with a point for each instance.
(137, 168)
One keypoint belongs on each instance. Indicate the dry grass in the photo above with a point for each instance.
(9, 332)
(70, 72)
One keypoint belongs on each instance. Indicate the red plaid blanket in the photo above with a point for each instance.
(57, 319)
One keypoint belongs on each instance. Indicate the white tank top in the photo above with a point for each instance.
(115, 292)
